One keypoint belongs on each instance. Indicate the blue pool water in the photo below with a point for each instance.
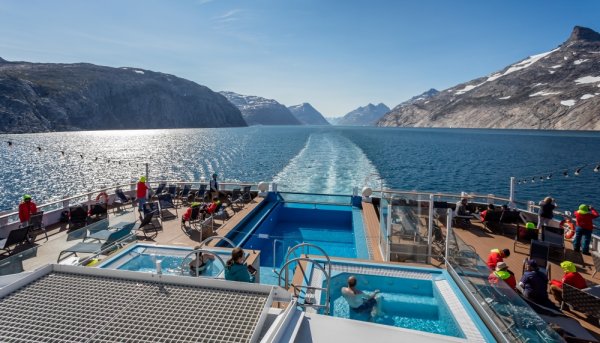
(143, 258)
(406, 303)
(337, 229)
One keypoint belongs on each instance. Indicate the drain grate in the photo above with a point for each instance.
(62, 307)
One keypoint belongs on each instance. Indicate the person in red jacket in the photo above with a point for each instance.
(502, 273)
(495, 256)
(571, 277)
(584, 227)
(141, 192)
(26, 209)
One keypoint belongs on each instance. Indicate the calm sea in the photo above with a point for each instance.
(315, 159)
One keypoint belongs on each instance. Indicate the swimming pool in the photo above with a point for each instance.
(423, 299)
(143, 258)
(337, 229)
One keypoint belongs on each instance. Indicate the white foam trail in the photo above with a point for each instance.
(328, 163)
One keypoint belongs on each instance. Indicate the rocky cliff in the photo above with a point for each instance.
(261, 111)
(308, 115)
(38, 97)
(558, 89)
(364, 115)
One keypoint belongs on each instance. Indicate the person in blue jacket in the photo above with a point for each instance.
(236, 269)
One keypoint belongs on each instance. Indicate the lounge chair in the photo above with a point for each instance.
(221, 213)
(194, 218)
(236, 199)
(121, 200)
(95, 230)
(555, 239)
(98, 212)
(15, 237)
(539, 252)
(36, 223)
(247, 194)
(200, 195)
(585, 300)
(103, 235)
(78, 217)
(165, 202)
(96, 247)
(492, 220)
(172, 190)
(160, 189)
(184, 194)
(573, 329)
(596, 259)
(147, 225)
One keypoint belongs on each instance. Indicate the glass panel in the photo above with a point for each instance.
(409, 228)
(384, 209)
(317, 198)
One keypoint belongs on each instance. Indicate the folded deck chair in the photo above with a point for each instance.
(165, 202)
(121, 199)
(36, 223)
(96, 247)
(15, 237)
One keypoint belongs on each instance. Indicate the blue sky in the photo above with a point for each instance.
(337, 55)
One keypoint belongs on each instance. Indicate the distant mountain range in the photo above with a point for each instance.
(308, 115)
(261, 111)
(363, 116)
(39, 97)
(558, 89)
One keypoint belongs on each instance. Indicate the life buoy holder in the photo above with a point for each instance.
(102, 194)
(569, 227)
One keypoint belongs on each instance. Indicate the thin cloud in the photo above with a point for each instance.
(229, 16)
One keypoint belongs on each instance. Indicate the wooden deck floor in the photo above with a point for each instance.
(372, 230)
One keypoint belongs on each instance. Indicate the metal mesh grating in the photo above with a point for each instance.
(63, 307)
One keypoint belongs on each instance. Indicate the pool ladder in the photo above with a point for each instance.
(305, 291)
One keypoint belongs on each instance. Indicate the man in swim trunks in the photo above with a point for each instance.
(359, 301)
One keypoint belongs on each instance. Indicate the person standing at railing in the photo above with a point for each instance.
(26, 209)
(584, 227)
(546, 213)
(142, 192)
(214, 187)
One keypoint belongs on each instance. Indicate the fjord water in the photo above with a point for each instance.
(307, 158)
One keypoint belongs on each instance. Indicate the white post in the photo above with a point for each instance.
(389, 233)
(511, 196)
(430, 229)
(449, 232)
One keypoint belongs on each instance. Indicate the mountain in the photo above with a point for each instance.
(39, 97)
(363, 116)
(558, 89)
(261, 111)
(308, 115)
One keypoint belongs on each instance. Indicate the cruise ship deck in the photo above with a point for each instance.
(35, 258)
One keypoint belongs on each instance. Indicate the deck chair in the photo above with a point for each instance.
(97, 247)
(103, 235)
(184, 194)
(36, 223)
(221, 213)
(236, 199)
(195, 216)
(172, 190)
(15, 237)
(539, 252)
(78, 217)
(121, 200)
(160, 189)
(98, 212)
(555, 239)
(492, 220)
(200, 195)
(147, 225)
(165, 202)
(246, 194)
(584, 300)
(596, 259)
(94, 228)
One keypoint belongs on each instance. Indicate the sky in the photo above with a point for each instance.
(336, 55)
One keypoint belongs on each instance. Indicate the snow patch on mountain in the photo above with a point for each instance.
(587, 96)
(543, 93)
(568, 103)
(587, 79)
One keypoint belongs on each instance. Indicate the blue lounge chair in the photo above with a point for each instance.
(160, 189)
(36, 224)
(147, 225)
(96, 247)
(200, 194)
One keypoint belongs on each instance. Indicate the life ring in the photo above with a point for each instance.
(102, 194)
(569, 227)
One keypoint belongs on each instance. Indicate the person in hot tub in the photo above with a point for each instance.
(359, 301)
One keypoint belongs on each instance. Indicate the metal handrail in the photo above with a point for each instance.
(196, 251)
(208, 239)
(296, 287)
